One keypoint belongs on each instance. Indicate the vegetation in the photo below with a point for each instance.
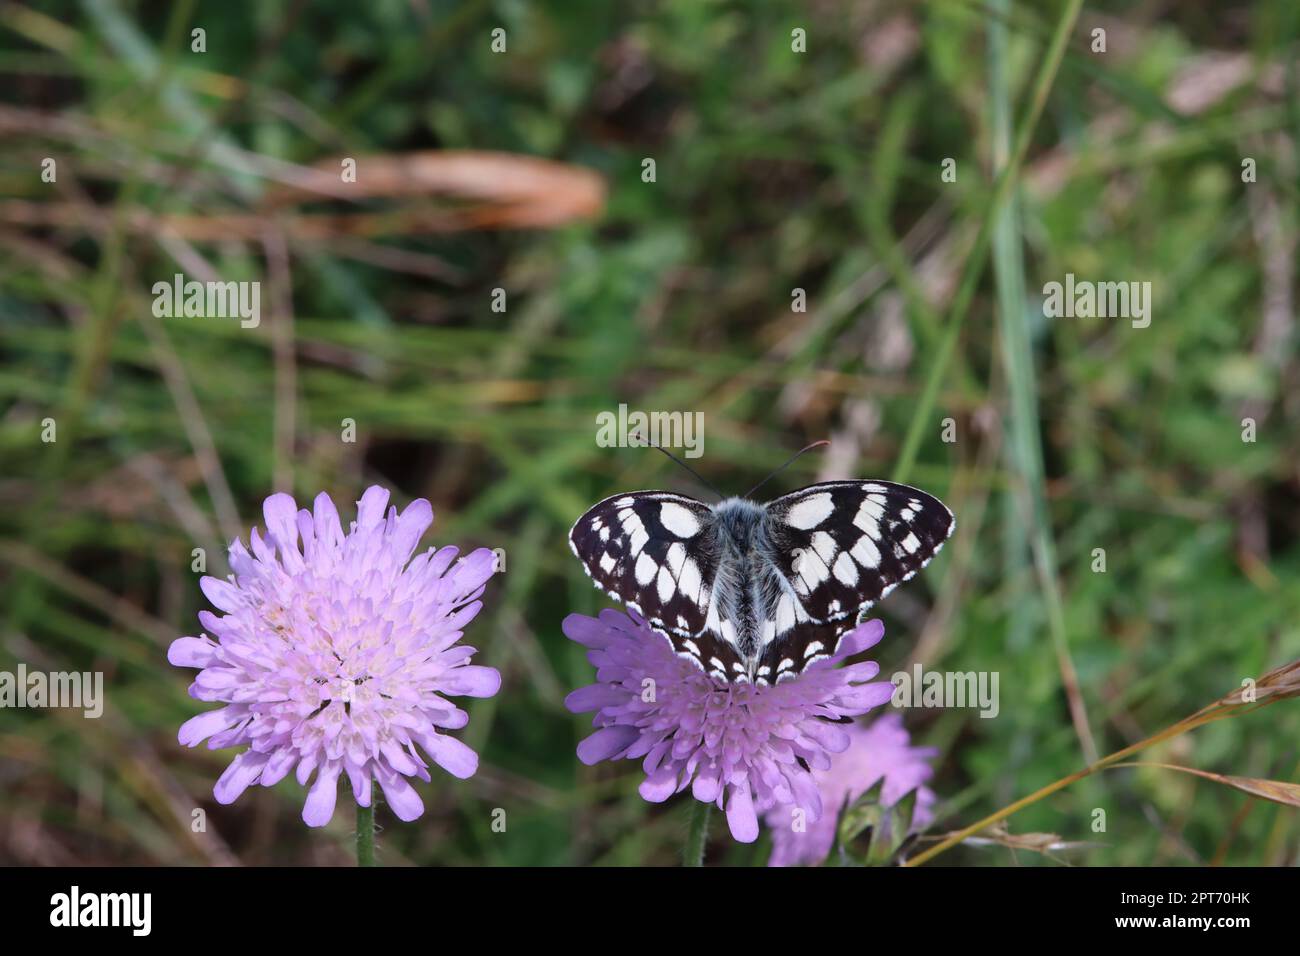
(774, 171)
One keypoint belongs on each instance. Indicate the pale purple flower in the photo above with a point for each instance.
(880, 753)
(336, 656)
(745, 747)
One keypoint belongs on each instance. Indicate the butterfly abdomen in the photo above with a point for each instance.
(743, 539)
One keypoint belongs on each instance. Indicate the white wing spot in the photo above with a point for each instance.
(866, 553)
(607, 563)
(688, 582)
(810, 512)
(846, 572)
(676, 558)
(679, 520)
(646, 569)
(868, 516)
(824, 545)
(665, 583)
(784, 614)
(813, 573)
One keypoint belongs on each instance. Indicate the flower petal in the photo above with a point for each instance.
(451, 755)
(202, 726)
(281, 514)
(606, 743)
(370, 509)
(191, 652)
(659, 786)
(741, 818)
(319, 808)
(410, 527)
(242, 772)
(401, 796)
(329, 530)
(471, 680)
(223, 595)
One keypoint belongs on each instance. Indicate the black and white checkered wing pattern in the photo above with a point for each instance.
(844, 545)
(647, 549)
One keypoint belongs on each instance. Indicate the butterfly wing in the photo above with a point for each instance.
(651, 550)
(833, 549)
(844, 545)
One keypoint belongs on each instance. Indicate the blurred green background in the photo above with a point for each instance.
(774, 170)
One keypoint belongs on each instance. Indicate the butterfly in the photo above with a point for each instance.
(754, 593)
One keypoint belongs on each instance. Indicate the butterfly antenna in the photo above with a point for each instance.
(682, 463)
(792, 460)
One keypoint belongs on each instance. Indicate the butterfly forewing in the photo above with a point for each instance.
(844, 545)
(650, 550)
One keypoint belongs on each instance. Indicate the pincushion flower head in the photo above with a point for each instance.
(336, 654)
(879, 753)
(745, 747)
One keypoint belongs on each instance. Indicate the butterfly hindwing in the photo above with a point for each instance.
(804, 643)
(648, 549)
(844, 545)
(715, 656)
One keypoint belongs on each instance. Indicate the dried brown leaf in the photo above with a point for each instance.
(1277, 791)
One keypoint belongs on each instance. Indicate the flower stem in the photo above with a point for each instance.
(698, 834)
(366, 834)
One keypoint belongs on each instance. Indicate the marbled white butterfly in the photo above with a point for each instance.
(757, 592)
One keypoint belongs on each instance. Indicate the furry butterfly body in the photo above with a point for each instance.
(754, 592)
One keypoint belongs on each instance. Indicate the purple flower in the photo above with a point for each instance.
(744, 747)
(879, 751)
(336, 657)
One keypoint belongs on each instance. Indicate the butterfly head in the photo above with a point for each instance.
(739, 521)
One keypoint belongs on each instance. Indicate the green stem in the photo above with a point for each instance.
(1025, 447)
(366, 834)
(975, 261)
(697, 835)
